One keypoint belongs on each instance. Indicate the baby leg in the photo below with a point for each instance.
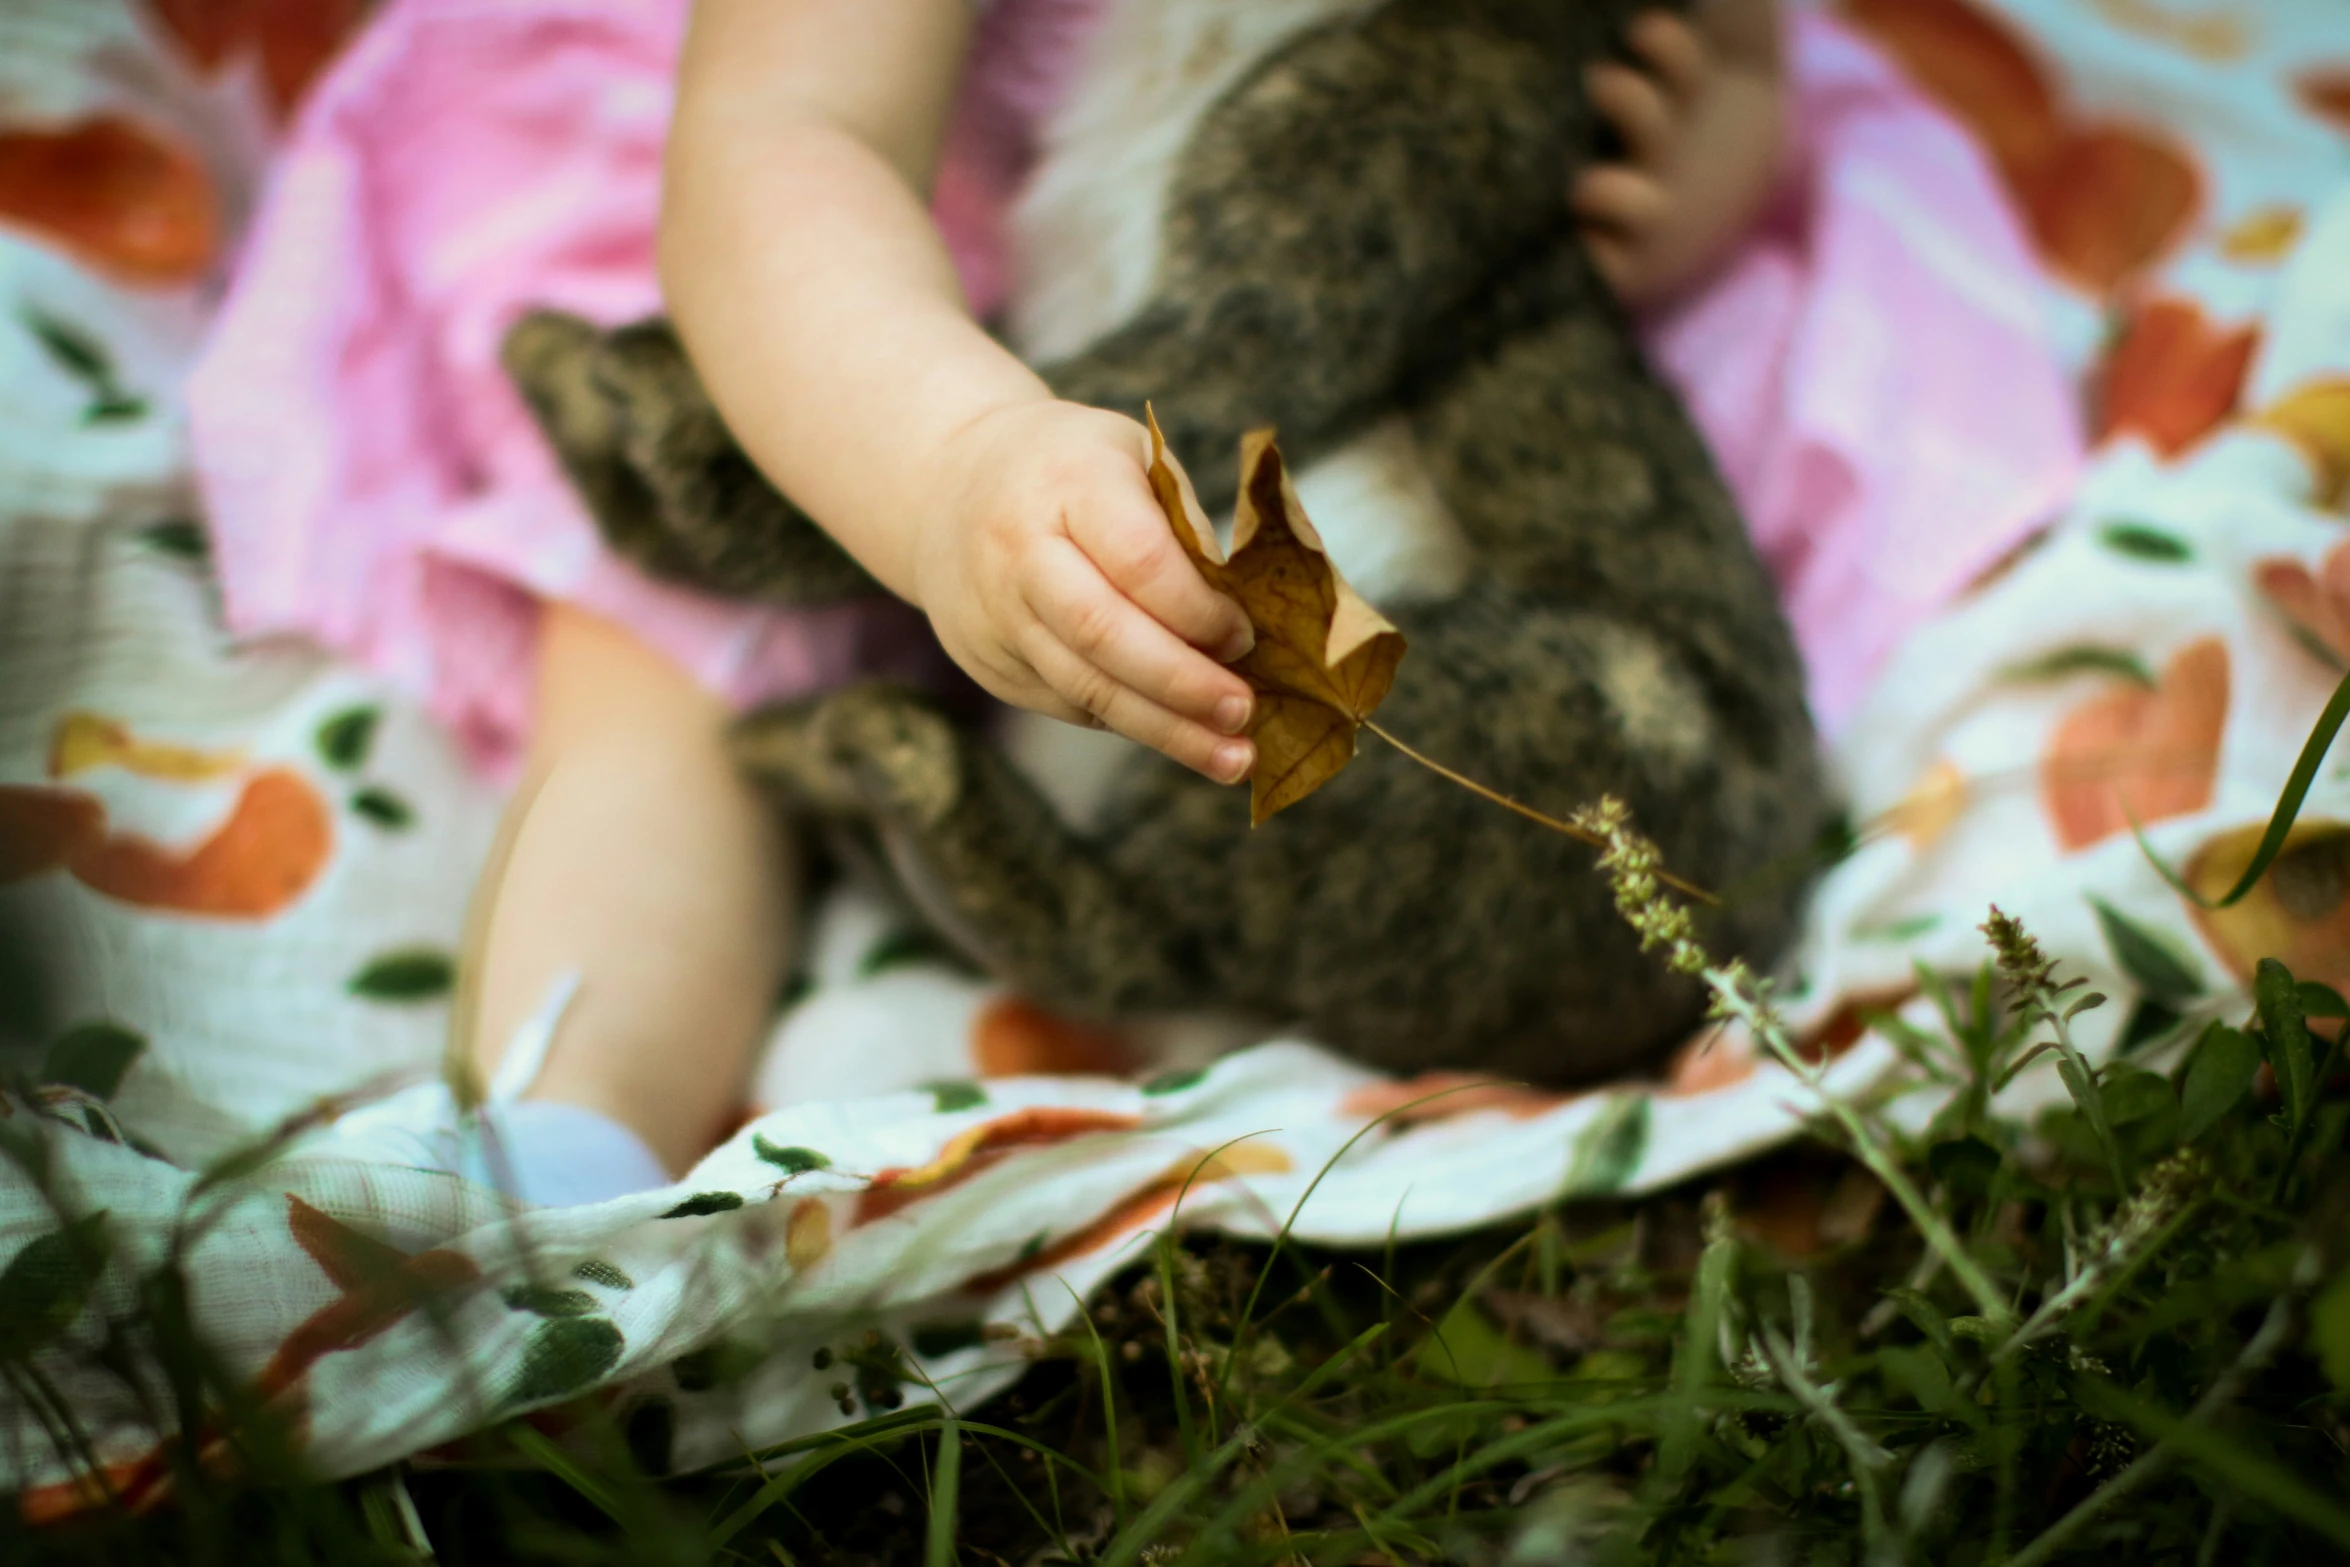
(644, 863)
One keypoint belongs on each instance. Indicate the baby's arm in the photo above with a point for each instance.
(1703, 127)
(818, 303)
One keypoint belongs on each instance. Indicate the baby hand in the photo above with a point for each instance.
(1053, 579)
(1702, 127)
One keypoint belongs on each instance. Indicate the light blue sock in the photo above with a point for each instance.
(558, 1155)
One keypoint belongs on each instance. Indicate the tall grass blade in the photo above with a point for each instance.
(1109, 1376)
(2280, 822)
(946, 1497)
(543, 1452)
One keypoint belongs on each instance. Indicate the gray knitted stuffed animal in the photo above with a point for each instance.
(1343, 218)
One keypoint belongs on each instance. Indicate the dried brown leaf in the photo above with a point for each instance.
(1324, 657)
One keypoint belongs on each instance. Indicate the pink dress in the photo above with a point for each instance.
(1871, 367)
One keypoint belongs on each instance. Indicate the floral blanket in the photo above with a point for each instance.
(232, 878)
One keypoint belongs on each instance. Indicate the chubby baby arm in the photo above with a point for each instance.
(818, 303)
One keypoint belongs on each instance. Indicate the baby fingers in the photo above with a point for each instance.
(1673, 49)
(1612, 255)
(1618, 200)
(1087, 687)
(1131, 545)
(1637, 106)
(1119, 651)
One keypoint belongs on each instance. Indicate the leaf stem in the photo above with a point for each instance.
(1531, 814)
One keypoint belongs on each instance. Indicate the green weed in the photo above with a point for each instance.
(2120, 1334)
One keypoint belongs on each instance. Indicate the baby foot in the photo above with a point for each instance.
(1702, 120)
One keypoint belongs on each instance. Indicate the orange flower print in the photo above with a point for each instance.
(115, 195)
(137, 1486)
(1138, 1209)
(1016, 1038)
(2317, 606)
(381, 1285)
(2140, 753)
(1713, 1062)
(2109, 200)
(2173, 376)
(2315, 419)
(294, 39)
(84, 741)
(979, 1149)
(2297, 913)
(41, 830)
(256, 864)
(1717, 1060)
(2213, 35)
(2103, 199)
(1932, 807)
(2325, 92)
(807, 1234)
(1440, 1096)
(1979, 70)
(2263, 237)
(1828, 1039)
(274, 843)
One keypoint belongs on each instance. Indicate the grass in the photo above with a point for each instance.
(1774, 1366)
(2121, 1334)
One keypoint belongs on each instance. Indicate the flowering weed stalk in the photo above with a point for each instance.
(1630, 862)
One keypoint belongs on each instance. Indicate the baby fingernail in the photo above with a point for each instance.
(1232, 714)
(1239, 644)
(1231, 762)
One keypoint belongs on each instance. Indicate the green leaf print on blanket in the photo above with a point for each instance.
(44, 1286)
(181, 538)
(947, 1098)
(1610, 1149)
(82, 356)
(2079, 659)
(92, 1057)
(791, 1161)
(544, 1301)
(345, 739)
(384, 808)
(722, 1364)
(410, 974)
(1174, 1082)
(563, 1356)
(2141, 541)
(597, 1271)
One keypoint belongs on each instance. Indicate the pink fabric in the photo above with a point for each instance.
(1870, 367)
(372, 479)
(1874, 369)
